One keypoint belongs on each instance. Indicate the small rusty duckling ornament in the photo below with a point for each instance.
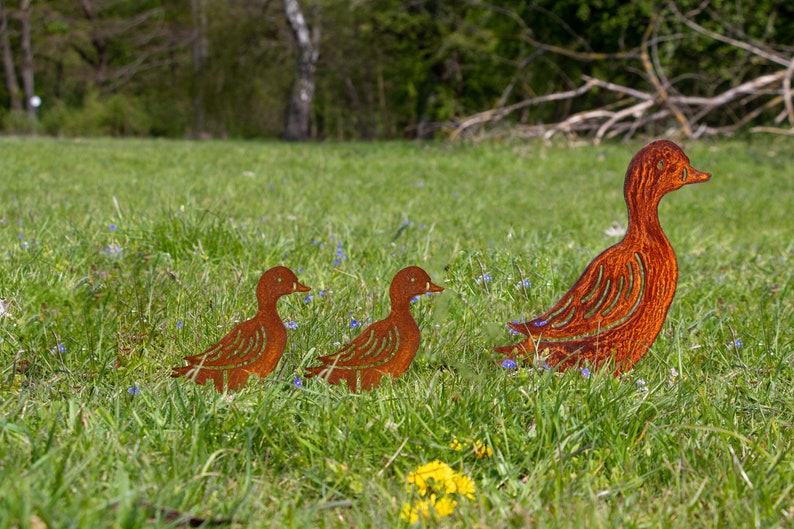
(616, 308)
(252, 347)
(385, 347)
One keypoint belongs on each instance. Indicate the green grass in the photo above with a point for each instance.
(197, 223)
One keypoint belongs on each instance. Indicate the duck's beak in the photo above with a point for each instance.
(431, 287)
(693, 176)
(300, 288)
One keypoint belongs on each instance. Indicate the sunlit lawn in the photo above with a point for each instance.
(118, 258)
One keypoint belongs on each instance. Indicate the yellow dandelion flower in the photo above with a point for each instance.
(464, 486)
(434, 476)
(482, 450)
(431, 507)
(409, 513)
(445, 506)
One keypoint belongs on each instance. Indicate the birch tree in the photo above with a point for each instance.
(300, 102)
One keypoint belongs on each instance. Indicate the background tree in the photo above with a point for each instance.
(9, 69)
(299, 109)
(396, 68)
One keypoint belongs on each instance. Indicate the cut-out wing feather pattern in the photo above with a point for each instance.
(604, 297)
(243, 351)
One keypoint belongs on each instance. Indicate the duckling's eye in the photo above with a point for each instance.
(684, 175)
(413, 279)
(279, 280)
(660, 165)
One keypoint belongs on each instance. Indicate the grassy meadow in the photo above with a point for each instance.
(119, 257)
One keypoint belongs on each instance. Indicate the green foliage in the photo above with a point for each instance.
(120, 257)
(387, 68)
(113, 115)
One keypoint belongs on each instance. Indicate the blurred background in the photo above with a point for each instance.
(385, 69)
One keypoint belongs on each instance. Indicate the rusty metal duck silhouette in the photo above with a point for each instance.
(616, 308)
(253, 346)
(385, 347)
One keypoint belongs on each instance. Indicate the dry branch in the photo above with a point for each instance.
(661, 105)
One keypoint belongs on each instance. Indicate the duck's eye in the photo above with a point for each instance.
(685, 174)
(413, 279)
(660, 165)
(279, 280)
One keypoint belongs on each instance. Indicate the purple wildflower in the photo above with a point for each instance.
(508, 364)
(133, 390)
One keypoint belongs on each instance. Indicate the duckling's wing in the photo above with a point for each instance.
(607, 294)
(242, 346)
(373, 347)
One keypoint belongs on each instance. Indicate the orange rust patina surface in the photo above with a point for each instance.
(616, 308)
(385, 347)
(254, 346)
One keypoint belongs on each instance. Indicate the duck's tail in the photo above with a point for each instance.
(519, 349)
(233, 379)
(335, 376)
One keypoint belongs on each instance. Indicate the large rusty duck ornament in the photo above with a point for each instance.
(385, 347)
(252, 347)
(616, 308)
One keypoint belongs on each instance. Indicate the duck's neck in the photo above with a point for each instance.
(643, 224)
(401, 310)
(266, 306)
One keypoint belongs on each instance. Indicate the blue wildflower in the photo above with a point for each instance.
(112, 227)
(508, 364)
(354, 323)
(585, 372)
(414, 299)
(61, 348)
(179, 324)
(133, 390)
(298, 382)
(737, 344)
(641, 386)
(308, 298)
(24, 245)
(292, 325)
(323, 292)
(337, 261)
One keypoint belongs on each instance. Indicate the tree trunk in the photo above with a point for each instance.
(199, 52)
(8, 62)
(300, 103)
(28, 87)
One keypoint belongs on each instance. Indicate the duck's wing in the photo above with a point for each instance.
(231, 358)
(375, 346)
(607, 294)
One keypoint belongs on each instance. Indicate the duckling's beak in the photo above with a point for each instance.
(431, 287)
(297, 287)
(693, 176)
